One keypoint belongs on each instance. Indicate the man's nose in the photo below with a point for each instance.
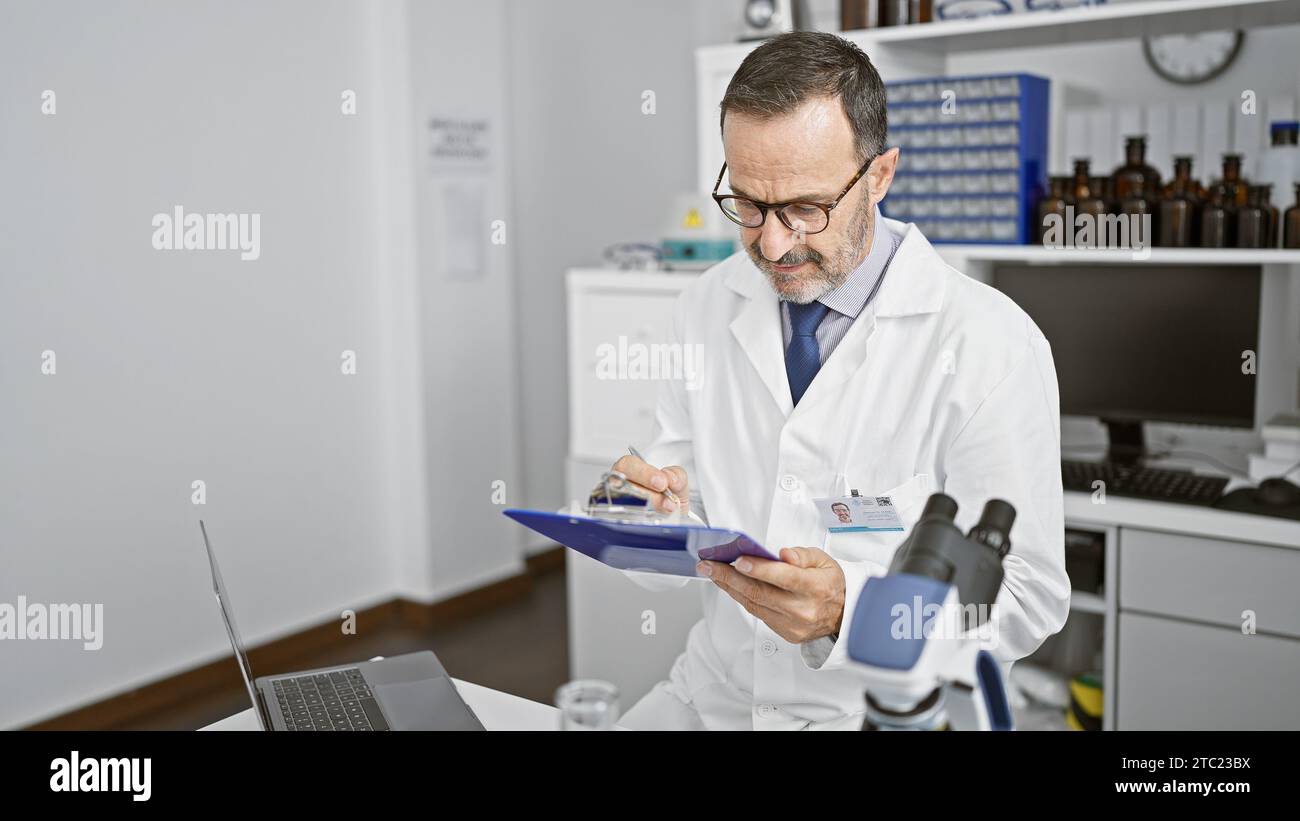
(776, 240)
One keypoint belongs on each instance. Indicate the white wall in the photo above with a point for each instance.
(177, 366)
(578, 69)
(458, 68)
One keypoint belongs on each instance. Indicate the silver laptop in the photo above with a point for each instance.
(409, 692)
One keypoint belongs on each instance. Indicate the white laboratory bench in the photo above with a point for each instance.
(497, 711)
(1177, 578)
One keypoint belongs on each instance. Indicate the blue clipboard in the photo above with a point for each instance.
(651, 548)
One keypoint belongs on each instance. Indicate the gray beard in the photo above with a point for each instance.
(827, 275)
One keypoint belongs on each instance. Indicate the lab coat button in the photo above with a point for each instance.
(766, 710)
(768, 648)
(789, 482)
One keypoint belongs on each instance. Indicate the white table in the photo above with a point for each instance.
(497, 711)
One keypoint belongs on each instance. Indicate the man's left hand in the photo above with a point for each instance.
(800, 597)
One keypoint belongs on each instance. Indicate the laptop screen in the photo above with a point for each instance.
(227, 613)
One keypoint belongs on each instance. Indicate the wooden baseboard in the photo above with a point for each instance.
(546, 561)
(448, 611)
(281, 654)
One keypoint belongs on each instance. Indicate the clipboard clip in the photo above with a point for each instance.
(616, 498)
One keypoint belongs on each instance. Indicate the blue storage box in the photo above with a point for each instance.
(973, 156)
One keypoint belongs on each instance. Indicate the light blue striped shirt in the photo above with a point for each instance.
(847, 301)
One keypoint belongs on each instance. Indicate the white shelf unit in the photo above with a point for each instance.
(1036, 254)
(1111, 21)
(929, 49)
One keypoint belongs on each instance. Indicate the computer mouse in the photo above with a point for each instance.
(1278, 492)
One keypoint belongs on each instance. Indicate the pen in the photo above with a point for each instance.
(668, 494)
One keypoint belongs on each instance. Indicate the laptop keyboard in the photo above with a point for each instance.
(337, 700)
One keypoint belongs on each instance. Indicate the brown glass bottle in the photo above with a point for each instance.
(1291, 223)
(1218, 224)
(1252, 231)
(1271, 215)
(1055, 203)
(1232, 185)
(1104, 188)
(1180, 210)
(1190, 183)
(1135, 178)
(903, 12)
(1086, 200)
(1142, 205)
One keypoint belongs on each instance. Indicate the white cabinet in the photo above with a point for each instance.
(1184, 659)
(1210, 580)
(618, 321)
(618, 631)
(1180, 675)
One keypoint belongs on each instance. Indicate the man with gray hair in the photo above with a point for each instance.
(840, 354)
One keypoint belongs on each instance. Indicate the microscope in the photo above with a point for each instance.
(920, 634)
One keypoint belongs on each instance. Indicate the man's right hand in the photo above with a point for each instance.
(656, 481)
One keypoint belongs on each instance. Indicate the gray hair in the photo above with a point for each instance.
(786, 71)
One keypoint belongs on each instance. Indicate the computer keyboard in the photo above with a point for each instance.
(337, 700)
(1143, 482)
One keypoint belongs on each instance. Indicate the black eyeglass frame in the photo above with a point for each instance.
(779, 207)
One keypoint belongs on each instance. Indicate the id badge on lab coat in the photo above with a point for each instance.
(859, 514)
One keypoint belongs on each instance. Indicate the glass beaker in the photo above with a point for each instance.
(587, 704)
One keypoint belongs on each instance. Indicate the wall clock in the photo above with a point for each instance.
(1189, 59)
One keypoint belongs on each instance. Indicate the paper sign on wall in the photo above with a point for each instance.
(464, 227)
(459, 142)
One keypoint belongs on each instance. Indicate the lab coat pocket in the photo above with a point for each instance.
(908, 499)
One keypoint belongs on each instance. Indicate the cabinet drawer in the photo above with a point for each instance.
(1175, 675)
(1210, 580)
(613, 406)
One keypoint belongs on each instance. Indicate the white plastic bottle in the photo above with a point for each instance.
(1280, 165)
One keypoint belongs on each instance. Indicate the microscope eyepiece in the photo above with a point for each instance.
(994, 527)
(941, 505)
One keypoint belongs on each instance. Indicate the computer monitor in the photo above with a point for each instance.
(1135, 343)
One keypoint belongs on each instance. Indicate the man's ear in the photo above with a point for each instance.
(881, 174)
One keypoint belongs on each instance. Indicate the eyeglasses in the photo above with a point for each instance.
(804, 217)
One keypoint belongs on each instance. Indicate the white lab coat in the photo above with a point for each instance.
(942, 384)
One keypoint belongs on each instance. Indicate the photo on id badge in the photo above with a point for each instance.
(859, 514)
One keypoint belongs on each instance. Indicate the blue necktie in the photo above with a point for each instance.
(802, 358)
